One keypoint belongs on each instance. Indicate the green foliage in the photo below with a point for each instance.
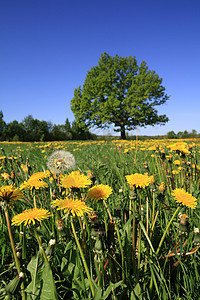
(118, 91)
(164, 264)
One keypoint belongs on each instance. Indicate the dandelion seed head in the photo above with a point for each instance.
(60, 161)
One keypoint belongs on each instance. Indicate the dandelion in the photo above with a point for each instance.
(60, 161)
(24, 168)
(5, 176)
(162, 187)
(31, 216)
(184, 198)
(138, 180)
(177, 162)
(73, 206)
(99, 192)
(9, 194)
(33, 183)
(40, 175)
(75, 180)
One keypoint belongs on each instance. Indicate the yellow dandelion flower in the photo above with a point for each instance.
(73, 206)
(10, 193)
(5, 176)
(24, 168)
(75, 180)
(31, 216)
(184, 198)
(161, 187)
(40, 175)
(99, 192)
(33, 183)
(177, 162)
(175, 172)
(138, 180)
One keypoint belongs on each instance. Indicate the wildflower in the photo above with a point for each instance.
(60, 161)
(75, 180)
(90, 174)
(138, 180)
(31, 216)
(184, 198)
(33, 183)
(5, 176)
(184, 225)
(52, 242)
(24, 168)
(73, 206)
(175, 172)
(9, 194)
(60, 225)
(99, 192)
(162, 187)
(177, 162)
(40, 175)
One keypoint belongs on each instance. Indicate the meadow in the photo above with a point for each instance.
(100, 220)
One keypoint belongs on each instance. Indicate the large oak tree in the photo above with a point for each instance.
(118, 91)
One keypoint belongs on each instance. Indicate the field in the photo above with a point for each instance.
(121, 223)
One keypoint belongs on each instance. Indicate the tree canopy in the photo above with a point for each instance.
(118, 91)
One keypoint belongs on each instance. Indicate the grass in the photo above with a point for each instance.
(135, 245)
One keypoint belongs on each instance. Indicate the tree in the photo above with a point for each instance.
(15, 131)
(2, 126)
(118, 91)
(171, 135)
(81, 132)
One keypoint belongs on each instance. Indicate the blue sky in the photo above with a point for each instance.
(47, 47)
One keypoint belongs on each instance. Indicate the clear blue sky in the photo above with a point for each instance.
(47, 47)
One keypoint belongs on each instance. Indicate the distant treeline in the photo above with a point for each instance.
(31, 130)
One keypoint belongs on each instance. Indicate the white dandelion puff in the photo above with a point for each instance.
(60, 161)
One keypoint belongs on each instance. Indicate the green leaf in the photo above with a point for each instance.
(42, 285)
(48, 287)
(35, 267)
(112, 286)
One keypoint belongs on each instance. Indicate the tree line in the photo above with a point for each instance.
(183, 134)
(31, 130)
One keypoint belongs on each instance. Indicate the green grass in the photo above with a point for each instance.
(133, 249)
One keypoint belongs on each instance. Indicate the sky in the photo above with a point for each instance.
(48, 46)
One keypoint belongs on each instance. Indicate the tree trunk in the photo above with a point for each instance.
(123, 134)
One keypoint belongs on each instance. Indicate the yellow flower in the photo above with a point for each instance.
(73, 206)
(40, 175)
(99, 192)
(161, 187)
(184, 198)
(138, 180)
(24, 168)
(5, 176)
(31, 215)
(10, 193)
(177, 162)
(75, 180)
(33, 183)
(175, 172)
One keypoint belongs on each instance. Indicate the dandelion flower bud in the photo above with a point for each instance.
(162, 187)
(52, 242)
(21, 275)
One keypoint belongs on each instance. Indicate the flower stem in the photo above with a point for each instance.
(41, 248)
(17, 263)
(83, 258)
(121, 250)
